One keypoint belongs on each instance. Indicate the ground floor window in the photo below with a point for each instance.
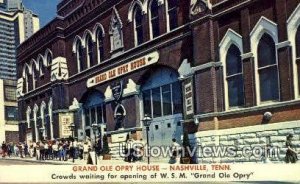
(163, 100)
(95, 114)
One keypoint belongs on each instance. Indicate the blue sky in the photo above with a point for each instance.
(45, 9)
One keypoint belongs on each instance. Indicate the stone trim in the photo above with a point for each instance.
(248, 129)
(249, 109)
(247, 55)
(283, 44)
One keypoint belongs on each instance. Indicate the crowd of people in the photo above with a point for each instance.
(62, 150)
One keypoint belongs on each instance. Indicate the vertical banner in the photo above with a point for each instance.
(65, 119)
(188, 98)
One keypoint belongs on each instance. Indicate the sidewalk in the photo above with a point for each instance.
(70, 161)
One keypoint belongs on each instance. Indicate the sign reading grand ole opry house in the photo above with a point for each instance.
(123, 69)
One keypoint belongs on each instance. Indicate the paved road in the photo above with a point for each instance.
(20, 162)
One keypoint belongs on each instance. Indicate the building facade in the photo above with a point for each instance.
(224, 71)
(9, 131)
(16, 25)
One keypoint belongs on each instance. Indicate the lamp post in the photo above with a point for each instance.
(147, 122)
(95, 128)
(72, 127)
(42, 129)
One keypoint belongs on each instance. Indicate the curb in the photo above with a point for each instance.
(39, 161)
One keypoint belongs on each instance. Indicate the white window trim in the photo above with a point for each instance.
(98, 27)
(263, 26)
(42, 111)
(28, 112)
(231, 37)
(35, 110)
(75, 50)
(131, 9)
(87, 49)
(47, 52)
(293, 24)
(50, 106)
(168, 16)
(134, 26)
(160, 2)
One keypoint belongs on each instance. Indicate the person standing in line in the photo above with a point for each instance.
(80, 147)
(16, 148)
(175, 148)
(46, 150)
(85, 150)
(30, 149)
(4, 149)
(55, 150)
(291, 154)
(37, 151)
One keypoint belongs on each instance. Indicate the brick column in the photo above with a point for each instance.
(248, 61)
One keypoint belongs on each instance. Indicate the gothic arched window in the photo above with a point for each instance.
(234, 77)
(154, 19)
(89, 51)
(172, 14)
(268, 69)
(138, 25)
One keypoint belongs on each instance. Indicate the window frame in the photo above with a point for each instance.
(169, 17)
(151, 19)
(161, 101)
(135, 27)
(258, 69)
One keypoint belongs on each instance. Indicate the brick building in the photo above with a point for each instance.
(225, 71)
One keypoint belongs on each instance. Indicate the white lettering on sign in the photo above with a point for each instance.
(189, 99)
(123, 69)
(65, 121)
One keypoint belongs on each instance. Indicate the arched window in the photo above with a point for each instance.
(34, 77)
(41, 66)
(49, 59)
(162, 94)
(267, 69)
(154, 19)
(138, 25)
(234, 77)
(298, 57)
(89, 51)
(172, 14)
(100, 49)
(79, 56)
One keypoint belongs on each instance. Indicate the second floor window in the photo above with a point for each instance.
(267, 69)
(154, 19)
(234, 77)
(138, 21)
(89, 51)
(100, 46)
(172, 14)
(79, 56)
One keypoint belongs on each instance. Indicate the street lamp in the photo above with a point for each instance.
(42, 129)
(147, 122)
(95, 128)
(72, 128)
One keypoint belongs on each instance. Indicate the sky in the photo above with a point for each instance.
(45, 9)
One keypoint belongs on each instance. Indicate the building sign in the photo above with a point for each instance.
(64, 122)
(29, 137)
(188, 97)
(124, 69)
(117, 90)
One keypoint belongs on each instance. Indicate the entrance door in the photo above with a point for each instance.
(164, 129)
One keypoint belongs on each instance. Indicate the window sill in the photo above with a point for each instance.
(265, 106)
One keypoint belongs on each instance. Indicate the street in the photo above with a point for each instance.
(26, 162)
